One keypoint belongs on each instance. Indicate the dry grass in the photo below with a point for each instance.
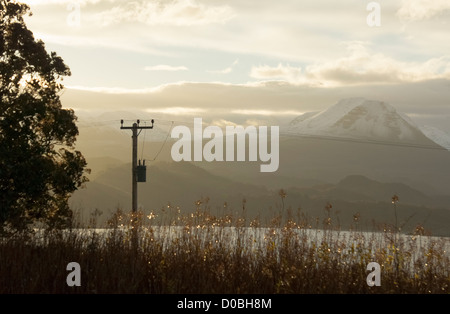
(201, 253)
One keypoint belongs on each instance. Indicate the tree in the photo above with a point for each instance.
(39, 166)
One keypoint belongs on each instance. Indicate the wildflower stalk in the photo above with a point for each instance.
(395, 199)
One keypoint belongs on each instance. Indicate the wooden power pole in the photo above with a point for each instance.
(136, 176)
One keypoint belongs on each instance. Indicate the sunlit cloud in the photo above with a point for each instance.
(268, 100)
(222, 123)
(178, 13)
(164, 67)
(224, 71)
(176, 110)
(417, 10)
(114, 90)
(267, 112)
(360, 67)
(283, 72)
(102, 42)
(63, 2)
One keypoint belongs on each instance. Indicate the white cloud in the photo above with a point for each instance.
(164, 67)
(126, 44)
(284, 72)
(178, 13)
(360, 67)
(222, 123)
(363, 67)
(108, 90)
(267, 100)
(224, 71)
(176, 110)
(417, 10)
(256, 112)
(63, 2)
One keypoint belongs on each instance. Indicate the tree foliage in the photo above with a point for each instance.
(39, 166)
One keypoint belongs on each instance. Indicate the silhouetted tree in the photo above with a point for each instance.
(39, 166)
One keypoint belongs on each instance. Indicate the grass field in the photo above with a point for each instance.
(201, 253)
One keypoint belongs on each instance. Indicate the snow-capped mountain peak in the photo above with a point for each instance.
(359, 118)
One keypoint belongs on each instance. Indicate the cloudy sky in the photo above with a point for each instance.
(242, 58)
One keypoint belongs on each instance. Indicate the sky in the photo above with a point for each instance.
(242, 60)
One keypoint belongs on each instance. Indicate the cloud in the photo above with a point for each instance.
(163, 67)
(126, 44)
(363, 67)
(224, 71)
(287, 73)
(176, 110)
(63, 2)
(256, 112)
(222, 123)
(272, 101)
(114, 90)
(360, 67)
(417, 10)
(178, 13)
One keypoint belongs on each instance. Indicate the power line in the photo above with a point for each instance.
(285, 133)
(363, 141)
(164, 143)
(143, 141)
(90, 124)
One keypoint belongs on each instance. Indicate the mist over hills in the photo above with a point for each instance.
(356, 155)
(181, 185)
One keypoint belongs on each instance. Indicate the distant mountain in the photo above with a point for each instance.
(377, 191)
(358, 188)
(182, 184)
(98, 165)
(359, 118)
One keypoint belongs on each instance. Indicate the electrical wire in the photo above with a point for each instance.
(164, 143)
(363, 141)
(284, 133)
(143, 142)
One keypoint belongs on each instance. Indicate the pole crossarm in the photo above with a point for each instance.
(136, 126)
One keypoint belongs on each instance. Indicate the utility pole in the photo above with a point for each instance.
(134, 177)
